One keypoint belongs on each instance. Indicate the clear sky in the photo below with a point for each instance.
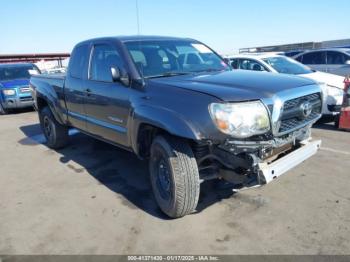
(35, 26)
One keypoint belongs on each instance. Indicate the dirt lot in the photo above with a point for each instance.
(92, 198)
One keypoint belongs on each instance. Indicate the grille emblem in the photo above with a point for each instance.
(305, 109)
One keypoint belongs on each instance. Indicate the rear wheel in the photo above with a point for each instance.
(56, 134)
(174, 176)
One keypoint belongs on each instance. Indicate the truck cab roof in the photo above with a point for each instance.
(132, 38)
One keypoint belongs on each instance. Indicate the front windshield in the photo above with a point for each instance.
(16, 72)
(172, 57)
(287, 65)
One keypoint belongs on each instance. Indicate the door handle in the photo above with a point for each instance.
(88, 92)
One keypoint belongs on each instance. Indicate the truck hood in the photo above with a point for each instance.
(237, 85)
(329, 79)
(14, 83)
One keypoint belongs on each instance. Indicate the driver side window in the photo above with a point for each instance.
(103, 58)
(314, 58)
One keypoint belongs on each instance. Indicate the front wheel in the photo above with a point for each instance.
(56, 134)
(3, 111)
(174, 176)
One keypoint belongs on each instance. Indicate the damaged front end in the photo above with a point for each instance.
(259, 159)
(254, 162)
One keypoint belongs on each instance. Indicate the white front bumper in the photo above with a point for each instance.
(284, 164)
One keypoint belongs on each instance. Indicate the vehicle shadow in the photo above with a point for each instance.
(119, 170)
(20, 111)
(324, 126)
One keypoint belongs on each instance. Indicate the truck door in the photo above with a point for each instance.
(107, 102)
(74, 91)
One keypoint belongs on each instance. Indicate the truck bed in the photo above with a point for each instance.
(52, 76)
(52, 85)
(54, 80)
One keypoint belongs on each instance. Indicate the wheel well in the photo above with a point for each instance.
(147, 133)
(41, 103)
(145, 136)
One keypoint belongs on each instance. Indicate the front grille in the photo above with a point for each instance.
(296, 101)
(24, 89)
(293, 117)
(26, 98)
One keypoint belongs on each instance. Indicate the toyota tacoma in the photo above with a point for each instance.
(177, 103)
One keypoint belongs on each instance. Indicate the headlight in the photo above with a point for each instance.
(9, 92)
(240, 119)
(334, 91)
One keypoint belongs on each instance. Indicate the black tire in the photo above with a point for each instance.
(3, 111)
(336, 121)
(56, 134)
(174, 176)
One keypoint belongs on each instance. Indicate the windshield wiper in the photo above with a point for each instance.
(209, 70)
(170, 73)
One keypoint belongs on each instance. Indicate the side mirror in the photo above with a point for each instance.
(125, 79)
(115, 74)
(347, 62)
(120, 76)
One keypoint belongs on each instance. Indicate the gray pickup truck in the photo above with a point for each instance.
(177, 103)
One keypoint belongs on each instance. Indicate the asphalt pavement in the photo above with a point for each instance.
(93, 198)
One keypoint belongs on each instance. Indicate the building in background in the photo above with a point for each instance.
(46, 62)
(293, 49)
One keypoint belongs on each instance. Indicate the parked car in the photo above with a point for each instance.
(193, 121)
(334, 60)
(332, 85)
(14, 86)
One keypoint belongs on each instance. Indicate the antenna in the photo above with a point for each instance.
(137, 17)
(139, 45)
(142, 80)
